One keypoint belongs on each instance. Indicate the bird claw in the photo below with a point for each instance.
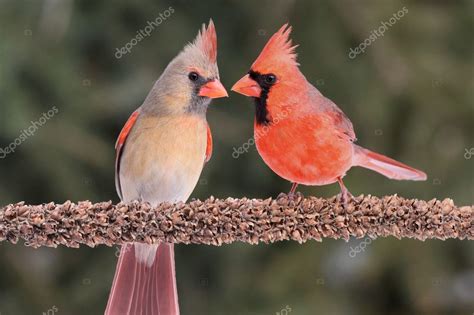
(294, 196)
(345, 194)
(345, 197)
(292, 193)
(291, 196)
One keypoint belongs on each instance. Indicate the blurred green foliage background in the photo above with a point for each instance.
(410, 96)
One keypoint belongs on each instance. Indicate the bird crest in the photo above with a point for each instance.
(279, 50)
(206, 41)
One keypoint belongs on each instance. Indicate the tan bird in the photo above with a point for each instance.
(160, 155)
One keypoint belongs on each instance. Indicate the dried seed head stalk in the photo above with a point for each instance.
(222, 221)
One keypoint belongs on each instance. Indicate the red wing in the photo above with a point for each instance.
(340, 120)
(343, 124)
(119, 145)
(209, 144)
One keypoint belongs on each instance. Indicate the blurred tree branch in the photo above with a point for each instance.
(218, 221)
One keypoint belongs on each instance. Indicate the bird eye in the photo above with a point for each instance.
(270, 78)
(193, 76)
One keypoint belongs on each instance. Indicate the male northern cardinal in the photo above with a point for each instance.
(300, 134)
(160, 155)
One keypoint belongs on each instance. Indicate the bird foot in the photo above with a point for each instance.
(291, 196)
(292, 193)
(295, 195)
(345, 197)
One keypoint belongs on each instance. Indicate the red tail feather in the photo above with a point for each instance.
(385, 165)
(144, 287)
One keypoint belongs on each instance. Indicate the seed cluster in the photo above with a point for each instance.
(222, 221)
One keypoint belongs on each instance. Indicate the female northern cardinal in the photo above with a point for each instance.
(160, 155)
(300, 134)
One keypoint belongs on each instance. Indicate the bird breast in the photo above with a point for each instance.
(304, 149)
(163, 158)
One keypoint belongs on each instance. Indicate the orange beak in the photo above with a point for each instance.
(247, 86)
(213, 89)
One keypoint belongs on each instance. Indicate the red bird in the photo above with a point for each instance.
(160, 155)
(300, 134)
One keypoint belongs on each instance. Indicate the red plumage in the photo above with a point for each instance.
(119, 147)
(208, 144)
(305, 137)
